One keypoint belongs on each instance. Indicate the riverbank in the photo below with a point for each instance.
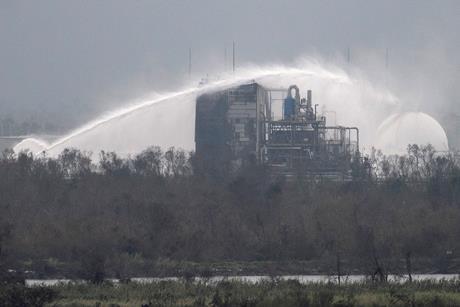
(138, 266)
(273, 292)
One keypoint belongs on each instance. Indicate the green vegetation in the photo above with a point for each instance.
(266, 293)
(163, 213)
(17, 295)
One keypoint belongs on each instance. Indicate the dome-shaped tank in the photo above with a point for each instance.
(401, 129)
(31, 145)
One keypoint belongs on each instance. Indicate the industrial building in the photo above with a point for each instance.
(251, 124)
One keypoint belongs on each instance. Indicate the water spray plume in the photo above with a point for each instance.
(168, 120)
(402, 129)
(31, 144)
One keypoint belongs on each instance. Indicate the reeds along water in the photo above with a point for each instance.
(168, 120)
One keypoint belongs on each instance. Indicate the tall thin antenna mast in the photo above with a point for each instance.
(190, 62)
(386, 58)
(225, 59)
(233, 56)
(387, 64)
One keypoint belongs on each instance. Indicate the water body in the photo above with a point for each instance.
(305, 279)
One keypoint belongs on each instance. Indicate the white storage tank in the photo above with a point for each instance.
(401, 129)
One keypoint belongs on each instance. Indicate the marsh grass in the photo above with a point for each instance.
(264, 293)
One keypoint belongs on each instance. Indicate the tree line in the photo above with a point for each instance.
(117, 216)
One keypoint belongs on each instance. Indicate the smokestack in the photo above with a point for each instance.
(309, 97)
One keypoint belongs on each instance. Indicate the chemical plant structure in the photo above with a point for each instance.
(250, 124)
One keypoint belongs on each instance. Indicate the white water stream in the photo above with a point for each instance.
(169, 119)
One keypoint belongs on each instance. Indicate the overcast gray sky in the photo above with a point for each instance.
(67, 61)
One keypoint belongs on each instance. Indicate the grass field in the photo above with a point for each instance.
(266, 293)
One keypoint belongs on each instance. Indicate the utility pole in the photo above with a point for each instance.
(190, 63)
(233, 56)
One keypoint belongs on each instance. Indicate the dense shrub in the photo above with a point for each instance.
(118, 215)
(17, 295)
